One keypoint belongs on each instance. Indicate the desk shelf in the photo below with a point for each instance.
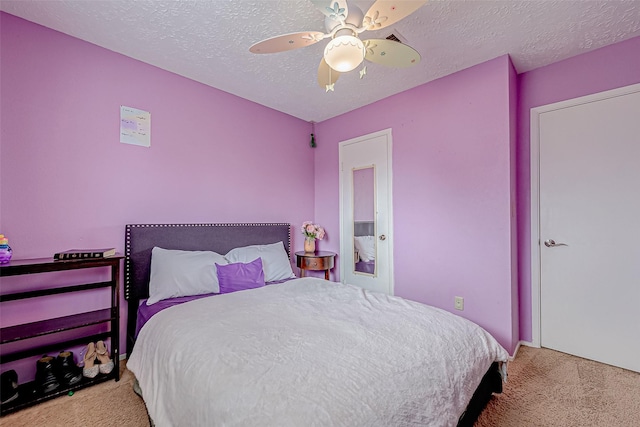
(109, 316)
(51, 326)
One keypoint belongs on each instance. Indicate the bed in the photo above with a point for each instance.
(299, 351)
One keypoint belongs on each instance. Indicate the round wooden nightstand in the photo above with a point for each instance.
(316, 261)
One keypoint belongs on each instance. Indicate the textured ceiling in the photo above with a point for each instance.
(208, 41)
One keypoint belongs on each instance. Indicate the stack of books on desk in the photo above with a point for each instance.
(85, 254)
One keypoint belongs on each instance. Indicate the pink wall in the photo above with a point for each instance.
(452, 191)
(607, 68)
(67, 181)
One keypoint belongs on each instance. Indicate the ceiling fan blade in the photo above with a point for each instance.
(287, 42)
(390, 53)
(387, 12)
(327, 76)
(334, 9)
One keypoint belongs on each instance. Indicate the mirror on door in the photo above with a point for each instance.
(364, 225)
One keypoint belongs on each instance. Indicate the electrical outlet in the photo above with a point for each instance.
(459, 303)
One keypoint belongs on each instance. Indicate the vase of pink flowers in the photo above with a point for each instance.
(311, 232)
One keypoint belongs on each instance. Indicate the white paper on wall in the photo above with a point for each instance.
(135, 126)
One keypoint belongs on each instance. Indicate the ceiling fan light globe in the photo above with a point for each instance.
(344, 53)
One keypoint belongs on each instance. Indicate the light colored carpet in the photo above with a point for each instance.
(107, 404)
(545, 388)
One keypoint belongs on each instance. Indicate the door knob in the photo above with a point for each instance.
(383, 237)
(550, 243)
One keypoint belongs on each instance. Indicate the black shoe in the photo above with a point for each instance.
(66, 369)
(8, 386)
(46, 380)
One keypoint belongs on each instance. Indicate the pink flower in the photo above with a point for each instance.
(313, 231)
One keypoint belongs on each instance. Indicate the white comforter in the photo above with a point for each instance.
(309, 352)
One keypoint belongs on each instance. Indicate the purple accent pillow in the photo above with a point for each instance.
(239, 276)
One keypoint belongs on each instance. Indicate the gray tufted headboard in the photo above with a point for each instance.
(364, 228)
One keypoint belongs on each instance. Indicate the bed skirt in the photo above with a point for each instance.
(491, 383)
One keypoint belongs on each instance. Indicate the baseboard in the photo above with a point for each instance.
(529, 344)
(515, 352)
(122, 357)
(525, 343)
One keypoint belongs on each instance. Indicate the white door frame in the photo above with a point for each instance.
(344, 246)
(535, 193)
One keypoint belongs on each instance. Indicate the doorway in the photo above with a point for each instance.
(585, 205)
(366, 236)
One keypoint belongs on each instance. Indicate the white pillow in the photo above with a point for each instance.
(177, 273)
(366, 247)
(275, 262)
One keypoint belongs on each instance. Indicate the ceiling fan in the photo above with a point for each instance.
(345, 51)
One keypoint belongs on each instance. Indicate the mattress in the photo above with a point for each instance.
(309, 352)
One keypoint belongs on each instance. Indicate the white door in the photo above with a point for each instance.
(590, 229)
(366, 250)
